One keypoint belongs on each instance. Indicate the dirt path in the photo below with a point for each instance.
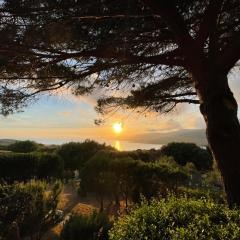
(68, 199)
(70, 202)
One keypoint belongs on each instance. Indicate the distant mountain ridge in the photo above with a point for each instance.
(197, 136)
(7, 142)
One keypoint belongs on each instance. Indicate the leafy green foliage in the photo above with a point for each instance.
(153, 179)
(75, 154)
(3, 148)
(122, 177)
(140, 154)
(96, 176)
(213, 178)
(31, 206)
(207, 184)
(179, 219)
(25, 166)
(217, 195)
(92, 227)
(23, 146)
(189, 152)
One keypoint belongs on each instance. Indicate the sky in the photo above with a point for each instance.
(63, 117)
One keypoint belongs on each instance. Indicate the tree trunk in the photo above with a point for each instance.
(117, 201)
(101, 203)
(219, 109)
(126, 202)
(14, 233)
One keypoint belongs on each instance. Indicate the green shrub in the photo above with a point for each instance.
(32, 206)
(25, 166)
(76, 154)
(179, 219)
(213, 178)
(157, 178)
(23, 146)
(92, 227)
(216, 195)
(189, 152)
(117, 178)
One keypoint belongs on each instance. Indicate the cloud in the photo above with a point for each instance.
(193, 121)
(166, 125)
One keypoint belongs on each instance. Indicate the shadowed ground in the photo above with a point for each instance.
(70, 202)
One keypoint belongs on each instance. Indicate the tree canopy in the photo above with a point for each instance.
(145, 47)
(23, 167)
(76, 154)
(121, 177)
(23, 146)
(189, 152)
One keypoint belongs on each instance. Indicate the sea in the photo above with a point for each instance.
(120, 145)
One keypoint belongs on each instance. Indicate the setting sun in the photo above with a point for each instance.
(117, 127)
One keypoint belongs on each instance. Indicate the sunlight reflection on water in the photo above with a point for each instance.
(129, 146)
(117, 145)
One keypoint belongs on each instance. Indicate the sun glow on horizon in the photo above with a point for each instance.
(117, 127)
(118, 146)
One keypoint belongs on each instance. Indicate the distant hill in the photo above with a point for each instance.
(197, 136)
(7, 142)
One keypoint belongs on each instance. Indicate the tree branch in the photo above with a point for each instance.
(209, 21)
(183, 100)
(169, 58)
(174, 21)
(230, 55)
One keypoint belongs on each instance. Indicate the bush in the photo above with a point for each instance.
(76, 154)
(31, 206)
(189, 152)
(108, 176)
(23, 146)
(216, 195)
(49, 166)
(25, 166)
(157, 178)
(96, 176)
(92, 227)
(179, 219)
